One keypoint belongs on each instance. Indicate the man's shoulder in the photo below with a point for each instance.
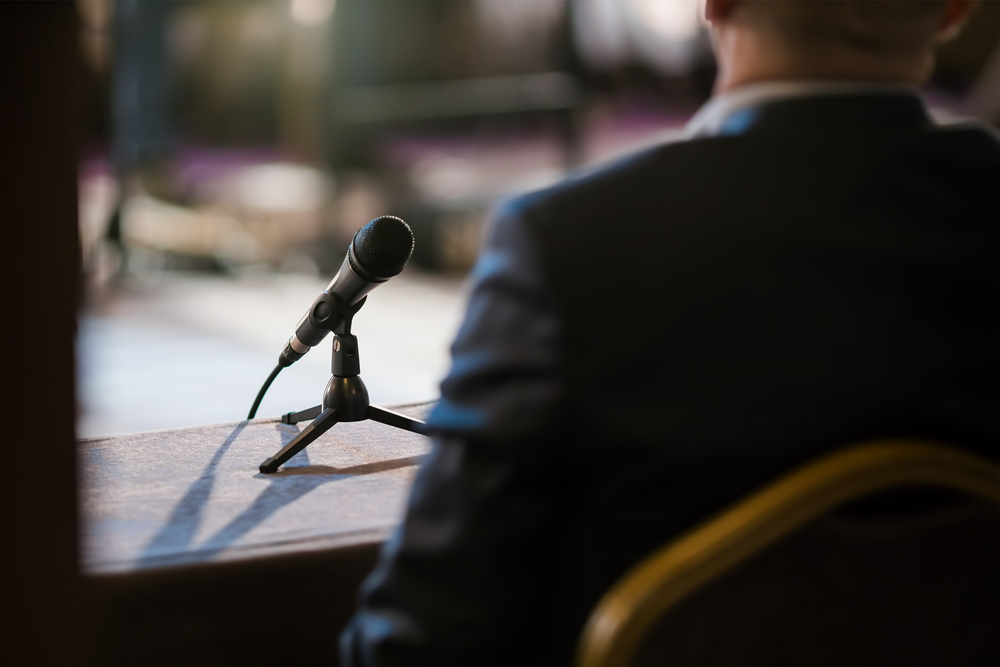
(699, 169)
(969, 130)
(973, 142)
(639, 173)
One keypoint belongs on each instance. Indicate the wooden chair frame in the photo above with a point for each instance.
(629, 609)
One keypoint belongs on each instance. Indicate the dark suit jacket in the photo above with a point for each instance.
(647, 343)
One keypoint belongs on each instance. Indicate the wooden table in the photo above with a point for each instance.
(196, 556)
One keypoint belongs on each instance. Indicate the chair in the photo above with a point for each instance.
(839, 562)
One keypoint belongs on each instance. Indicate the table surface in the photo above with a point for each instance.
(195, 495)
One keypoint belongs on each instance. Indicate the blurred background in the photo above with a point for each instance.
(231, 149)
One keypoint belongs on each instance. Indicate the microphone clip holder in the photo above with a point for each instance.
(345, 398)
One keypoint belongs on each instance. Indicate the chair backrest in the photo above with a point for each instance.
(798, 554)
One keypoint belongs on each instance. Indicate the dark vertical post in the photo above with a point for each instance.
(39, 579)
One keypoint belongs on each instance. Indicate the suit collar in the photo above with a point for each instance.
(801, 104)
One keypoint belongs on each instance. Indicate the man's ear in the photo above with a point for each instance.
(719, 10)
(954, 17)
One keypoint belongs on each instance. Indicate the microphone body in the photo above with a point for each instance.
(378, 251)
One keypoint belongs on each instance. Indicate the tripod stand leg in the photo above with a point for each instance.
(377, 414)
(304, 415)
(319, 426)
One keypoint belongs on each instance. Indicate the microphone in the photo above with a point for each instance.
(378, 252)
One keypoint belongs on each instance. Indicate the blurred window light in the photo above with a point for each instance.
(671, 19)
(667, 35)
(312, 12)
(601, 34)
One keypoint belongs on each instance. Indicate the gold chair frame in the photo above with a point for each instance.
(629, 609)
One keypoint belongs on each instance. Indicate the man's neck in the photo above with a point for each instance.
(745, 57)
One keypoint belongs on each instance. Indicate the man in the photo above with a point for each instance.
(817, 265)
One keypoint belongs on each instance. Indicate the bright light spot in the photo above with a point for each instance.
(445, 177)
(312, 12)
(274, 188)
(672, 19)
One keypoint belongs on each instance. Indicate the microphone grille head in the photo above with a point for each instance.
(382, 247)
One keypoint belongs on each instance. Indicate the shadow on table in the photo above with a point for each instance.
(287, 485)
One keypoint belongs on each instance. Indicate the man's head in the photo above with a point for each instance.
(855, 40)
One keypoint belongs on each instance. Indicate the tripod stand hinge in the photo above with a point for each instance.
(346, 362)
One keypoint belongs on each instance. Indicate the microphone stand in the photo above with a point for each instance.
(344, 400)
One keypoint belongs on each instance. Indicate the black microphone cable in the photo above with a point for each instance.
(263, 390)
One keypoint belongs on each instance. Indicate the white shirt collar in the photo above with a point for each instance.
(712, 116)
